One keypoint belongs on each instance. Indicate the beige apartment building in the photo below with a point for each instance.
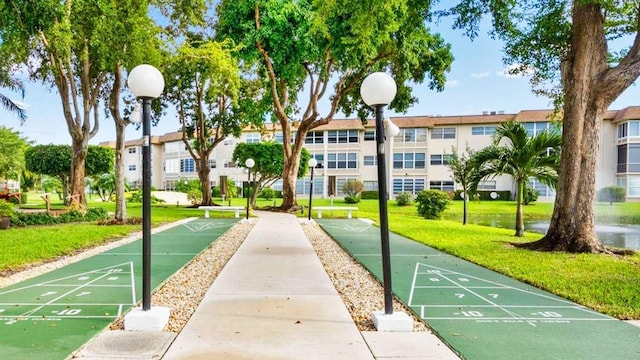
(346, 149)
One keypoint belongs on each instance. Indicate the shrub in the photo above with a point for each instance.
(504, 195)
(353, 188)
(266, 194)
(185, 186)
(369, 194)
(530, 195)
(432, 203)
(136, 197)
(611, 194)
(195, 196)
(352, 199)
(404, 198)
(6, 208)
(43, 218)
(277, 194)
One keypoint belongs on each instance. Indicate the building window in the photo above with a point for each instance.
(534, 128)
(370, 135)
(132, 150)
(629, 158)
(441, 185)
(487, 185)
(340, 182)
(342, 136)
(370, 185)
(622, 131)
(187, 165)
(212, 164)
(443, 133)
(279, 138)
(172, 166)
(370, 161)
(542, 189)
(342, 160)
(630, 128)
(228, 140)
(440, 159)
(483, 130)
(172, 147)
(320, 159)
(252, 138)
(132, 168)
(409, 160)
(411, 185)
(411, 135)
(314, 137)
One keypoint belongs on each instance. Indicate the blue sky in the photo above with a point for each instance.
(476, 83)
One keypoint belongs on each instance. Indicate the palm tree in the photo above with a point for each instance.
(515, 153)
(9, 104)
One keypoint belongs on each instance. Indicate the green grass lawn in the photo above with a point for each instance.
(610, 284)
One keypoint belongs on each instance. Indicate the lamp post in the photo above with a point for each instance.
(146, 83)
(249, 163)
(312, 164)
(377, 90)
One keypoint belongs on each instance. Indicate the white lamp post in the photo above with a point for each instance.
(377, 90)
(146, 83)
(249, 163)
(312, 164)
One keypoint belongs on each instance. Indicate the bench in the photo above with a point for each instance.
(221, 208)
(348, 209)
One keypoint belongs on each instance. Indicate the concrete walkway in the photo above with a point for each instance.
(274, 300)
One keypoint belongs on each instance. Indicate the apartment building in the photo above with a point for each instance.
(417, 157)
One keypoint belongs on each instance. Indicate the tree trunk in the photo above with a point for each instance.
(78, 156)
(519, 202)
(121, 205)
(203, 175)
(572, 225)
(465, 201)
(291, 164)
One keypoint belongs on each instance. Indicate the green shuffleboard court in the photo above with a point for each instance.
(482, 314)
(54, 314)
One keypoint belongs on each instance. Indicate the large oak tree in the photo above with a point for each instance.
(310, 50)
(212, 99)
(566, 45)
(77, 47)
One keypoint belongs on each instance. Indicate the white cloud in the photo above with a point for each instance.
(480, 75)
(453, 83)
(506, 72)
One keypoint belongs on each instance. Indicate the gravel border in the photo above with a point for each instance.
(361, 293)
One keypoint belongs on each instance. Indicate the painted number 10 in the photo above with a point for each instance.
(472, 313)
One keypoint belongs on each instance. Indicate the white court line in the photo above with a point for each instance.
(517, 316)
(65, 294)
(58, 316)
(503, 285)
(95, 286)
(546, 320)
(413, 284)
(455, 287)
(153, 254)
(402, 255)
(63, 304)
(133, 285)
(64, 278)
(507, 306)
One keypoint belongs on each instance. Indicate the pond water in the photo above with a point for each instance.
(615, 235)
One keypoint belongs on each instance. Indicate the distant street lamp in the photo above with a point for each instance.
(312, 164)
(146, 83)
(377, 90)
(249, 163)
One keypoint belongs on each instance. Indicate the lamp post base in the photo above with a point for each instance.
(396, 322)
(245, 221)
(154, 319)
